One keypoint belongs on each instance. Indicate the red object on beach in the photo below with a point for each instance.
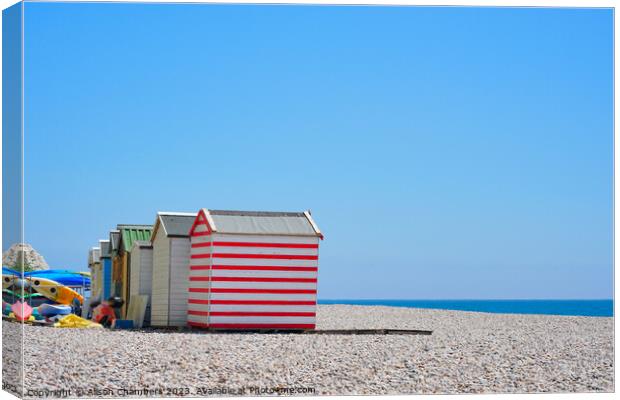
(253, 270)
(104, 314)
(21, 310)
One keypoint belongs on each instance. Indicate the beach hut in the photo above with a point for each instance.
(115, 240)
(141, 270)
(127, 235)
(106, 269)
(94, 265)
(170, 242)
(253, 270)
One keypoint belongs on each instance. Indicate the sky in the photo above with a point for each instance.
(446, 153)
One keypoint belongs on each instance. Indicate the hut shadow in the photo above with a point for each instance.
(203, 331)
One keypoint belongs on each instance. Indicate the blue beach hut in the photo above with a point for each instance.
(106, 269)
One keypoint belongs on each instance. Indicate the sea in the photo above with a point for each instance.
(589, 308)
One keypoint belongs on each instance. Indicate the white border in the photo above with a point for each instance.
(436, 3)
(495, 3)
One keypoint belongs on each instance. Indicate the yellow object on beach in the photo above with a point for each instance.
(73, 321)
(30, 318)
(55, 291)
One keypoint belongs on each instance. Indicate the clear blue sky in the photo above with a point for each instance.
(445, 152)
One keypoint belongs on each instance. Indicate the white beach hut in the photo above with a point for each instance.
(141, 269)
(94, 264)
(171, 251)
(253, 270)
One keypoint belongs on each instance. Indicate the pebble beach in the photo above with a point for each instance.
(468, 352)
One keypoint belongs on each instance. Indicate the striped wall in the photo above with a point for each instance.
(252, 281)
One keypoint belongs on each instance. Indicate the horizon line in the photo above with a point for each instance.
(474, 299)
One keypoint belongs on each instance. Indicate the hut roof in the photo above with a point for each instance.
(105, 248)
(131, 233)
(115, 240)
(143, 244)
(262, 222)
(175, 224)
(93, 255)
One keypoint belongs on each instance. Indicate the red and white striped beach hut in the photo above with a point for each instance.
(253, 270)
